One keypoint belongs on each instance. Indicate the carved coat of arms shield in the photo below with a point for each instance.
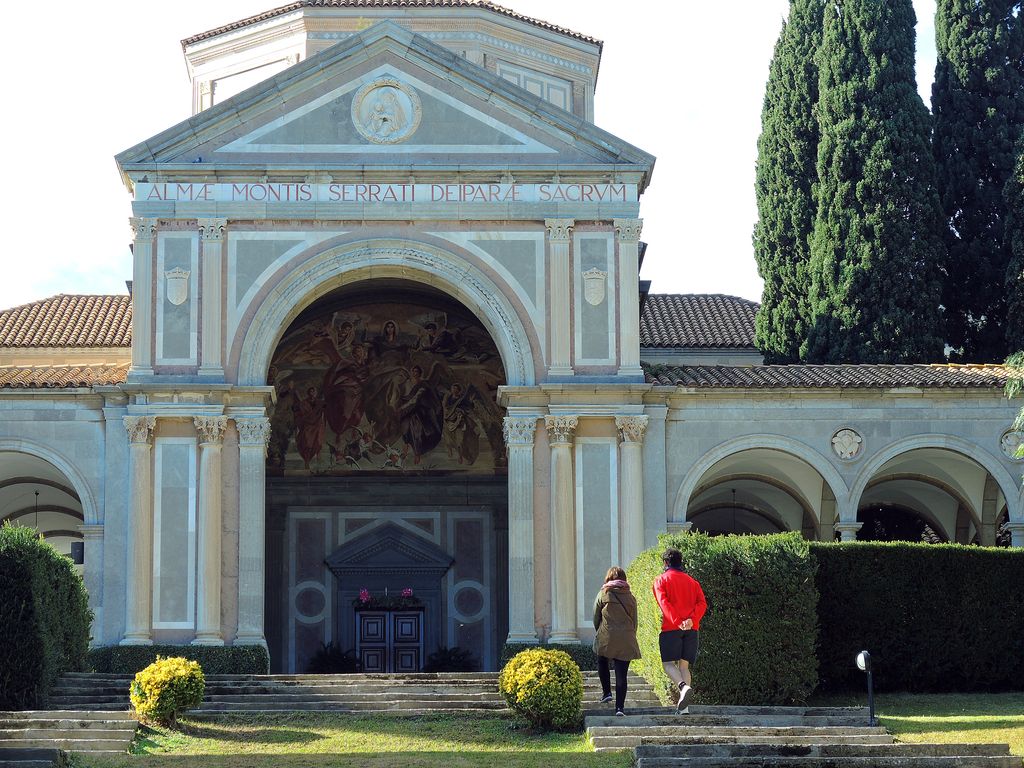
(594, 286)
(177, 285)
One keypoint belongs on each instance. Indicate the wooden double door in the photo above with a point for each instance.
(390, 640)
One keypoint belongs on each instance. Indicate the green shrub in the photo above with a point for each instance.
(44, 618)
(331, 660)
(165, 689)
(215, 660)
(544, 686)
(757, 640)
(935, 617)
(451, 660)
(583, 655)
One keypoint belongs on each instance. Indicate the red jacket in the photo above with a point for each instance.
(680, 598)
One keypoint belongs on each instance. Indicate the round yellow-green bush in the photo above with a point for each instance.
(544, 686)
(166, 688)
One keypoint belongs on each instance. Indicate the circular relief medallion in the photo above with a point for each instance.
(386, 111)
(847, 443)
(1010, 442)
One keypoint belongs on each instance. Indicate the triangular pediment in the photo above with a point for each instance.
(388, 547)
(385, 97)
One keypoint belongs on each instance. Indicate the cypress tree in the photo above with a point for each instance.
(1013, 237)
(787, 152)
(978, 105)
(876, 249)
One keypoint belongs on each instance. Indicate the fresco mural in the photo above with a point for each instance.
(389, 384)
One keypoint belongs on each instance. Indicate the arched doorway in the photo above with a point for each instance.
(36, 494)
(385, 420)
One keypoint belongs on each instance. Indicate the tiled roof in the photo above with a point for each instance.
(274, 12)
(828, 376)
(60, 376)
(697, 320)
(67, 320)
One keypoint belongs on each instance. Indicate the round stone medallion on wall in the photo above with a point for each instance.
(310, 602)
(1010, 442)
(847, 443)
(386, 111)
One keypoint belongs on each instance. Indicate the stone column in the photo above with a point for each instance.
(211, 232)
(253, 435)
(93, 577)
(211, 439)
(562, 433)
(848, 531)
(989, 521)
(560, 302)
(1016, 529)
(627, 231)
(139, 592)
(142, 295)
(631, 485)
(519, 433)
(827, 521)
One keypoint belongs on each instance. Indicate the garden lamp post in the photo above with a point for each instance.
(864, 665)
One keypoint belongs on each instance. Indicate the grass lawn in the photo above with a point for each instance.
(290, 741)
(942, 718)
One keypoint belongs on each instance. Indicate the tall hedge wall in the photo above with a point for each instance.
(215, 660)
(758, 638)
(935, 617)
(44, 618)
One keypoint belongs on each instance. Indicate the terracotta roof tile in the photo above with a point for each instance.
(697, 320)
(828, 376)
(68, 320)
(485, 4)
(60, 376)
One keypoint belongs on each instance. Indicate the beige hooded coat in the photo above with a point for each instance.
(615, 621)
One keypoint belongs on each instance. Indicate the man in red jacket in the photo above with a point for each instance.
(682, 605)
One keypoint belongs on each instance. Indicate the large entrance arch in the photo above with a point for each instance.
(385, 422)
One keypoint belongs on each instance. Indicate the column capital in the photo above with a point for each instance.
(847, 531)
(142, 229)
(631, 428)
(212, 230)
(1016, 529)
(91, 531)
(628, 230)
(559, 230)
(677, 527)
(520, 430)
(253, 432)
(561, 429)
(140, 428)
(211, 429)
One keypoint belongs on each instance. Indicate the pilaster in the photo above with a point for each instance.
(1016, 529)
(253, 435)
(561, 436)
(631, 485)
(627, 232)
(144, 235)
(211, 233)
(560, 304)
(519, 438)
(139, 592)
(93, 577)
(211, 440)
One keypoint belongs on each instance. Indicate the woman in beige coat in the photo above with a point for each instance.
(615, 622)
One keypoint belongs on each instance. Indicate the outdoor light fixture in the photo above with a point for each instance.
(864, 665)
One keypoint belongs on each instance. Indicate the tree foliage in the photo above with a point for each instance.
(876, 249)
(1014, 243)
(978, 107)
(787, 153)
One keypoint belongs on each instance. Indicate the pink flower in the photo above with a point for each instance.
(364, 595)
(407, 592)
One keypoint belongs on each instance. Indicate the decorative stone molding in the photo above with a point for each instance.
(205, 87)
(631, 428)
(253, 432)
(594, 282)
(628, 230)
(1010, 442)
(212, 230)
(386, 111)
(91, 532)
(848, 531)
(559, 230)
(211, 428)
(684, 527)
(142, 229)
(140, 428)
(562, 429)
(847, 444)
(520, 430)
(177, 285)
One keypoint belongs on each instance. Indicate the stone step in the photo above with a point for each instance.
(823, 750)
(982, 761)
(81, 734)
(217, 715)
(32, 758)
(634, 739)
(266, 703)
(109, 746)
(690, 735)
(65, 724)
(76, 715)
(641, 720)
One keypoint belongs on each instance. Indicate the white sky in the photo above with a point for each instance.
(681, 79)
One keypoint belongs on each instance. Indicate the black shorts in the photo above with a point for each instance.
(679, 644)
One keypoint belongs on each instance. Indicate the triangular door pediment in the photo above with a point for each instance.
(388, 547)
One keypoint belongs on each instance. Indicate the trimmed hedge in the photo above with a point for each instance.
(215, 660)
(44, 618)
(935, 617)
(583, 655)
(758, 638)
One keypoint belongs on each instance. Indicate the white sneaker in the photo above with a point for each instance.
(684, 696)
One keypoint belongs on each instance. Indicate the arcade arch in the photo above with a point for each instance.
(35, 493)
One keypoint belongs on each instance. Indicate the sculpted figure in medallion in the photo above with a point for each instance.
(386, 111)
(846, 443)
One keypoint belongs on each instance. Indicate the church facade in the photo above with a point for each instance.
(387, 377)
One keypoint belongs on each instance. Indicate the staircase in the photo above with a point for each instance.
(776, 737)
(37, 739)
(411, 694)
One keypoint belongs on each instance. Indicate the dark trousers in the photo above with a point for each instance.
(621, 671)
